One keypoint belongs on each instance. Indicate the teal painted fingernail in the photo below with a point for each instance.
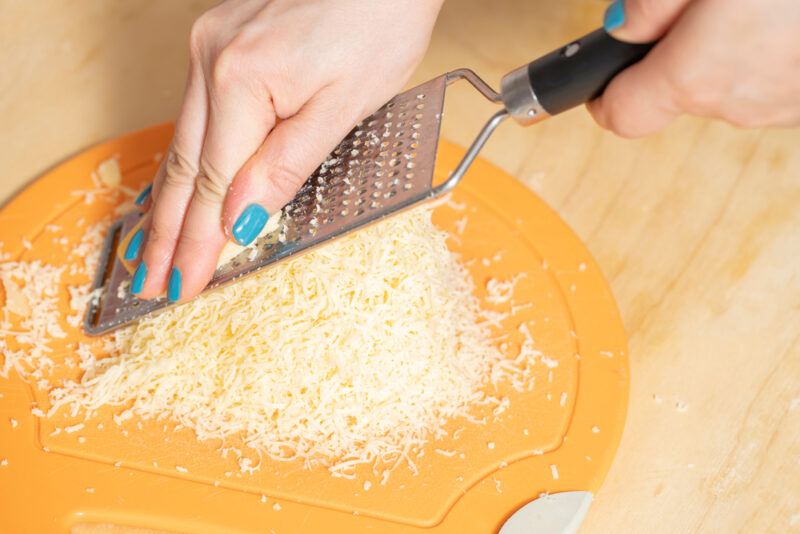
(615, 15)
(138, 279)
(249, 224)
(134, 245)
(174, 285)
(143, 195)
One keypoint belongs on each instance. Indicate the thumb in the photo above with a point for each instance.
(641, 21)
(288, 156)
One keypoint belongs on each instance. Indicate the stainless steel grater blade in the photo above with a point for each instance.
(384, 166)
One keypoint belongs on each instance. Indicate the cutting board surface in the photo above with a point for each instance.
(559, 436)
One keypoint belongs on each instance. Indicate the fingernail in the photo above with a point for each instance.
(615, 15)
(138, 279)
(174, 285)
(143, 195)
(134, 245)
(249, 224)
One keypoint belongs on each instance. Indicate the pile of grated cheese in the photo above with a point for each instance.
(359, 352)
(355, 353)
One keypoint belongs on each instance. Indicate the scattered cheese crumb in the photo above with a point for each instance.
(595, 429)
(461, 225)
(90, 490)
(109, 173)
(367, 485)
(81, 439)
(263, 499)
(4, 462)
(554, 471)
(14, 422)
(490, 445)
(16, 301)
(276, 507)
(181, 469)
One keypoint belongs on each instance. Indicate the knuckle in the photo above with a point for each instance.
(228, 67)
(199, 35)
(691, 89)
(212, 185)
(286, 181)
(161, 235)
(180, 172)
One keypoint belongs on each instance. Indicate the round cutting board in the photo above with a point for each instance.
(559, 436)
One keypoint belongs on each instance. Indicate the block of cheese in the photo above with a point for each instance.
(230, 251)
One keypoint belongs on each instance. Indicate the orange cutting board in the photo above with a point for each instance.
(560, 436)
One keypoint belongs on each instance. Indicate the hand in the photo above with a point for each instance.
(734, 60)
(273, 87)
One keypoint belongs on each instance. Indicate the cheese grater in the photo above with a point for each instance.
(384, 166)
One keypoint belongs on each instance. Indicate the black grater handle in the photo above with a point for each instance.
(569, 76)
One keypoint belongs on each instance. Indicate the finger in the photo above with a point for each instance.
(642, 21)
(173, 187)
(638, 101)
(291, 152)
(239, 120)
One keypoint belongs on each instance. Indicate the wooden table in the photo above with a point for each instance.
(697, 230)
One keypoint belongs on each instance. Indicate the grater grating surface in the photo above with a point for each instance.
(383, 166)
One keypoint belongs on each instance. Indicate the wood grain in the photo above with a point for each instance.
(697, 229)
